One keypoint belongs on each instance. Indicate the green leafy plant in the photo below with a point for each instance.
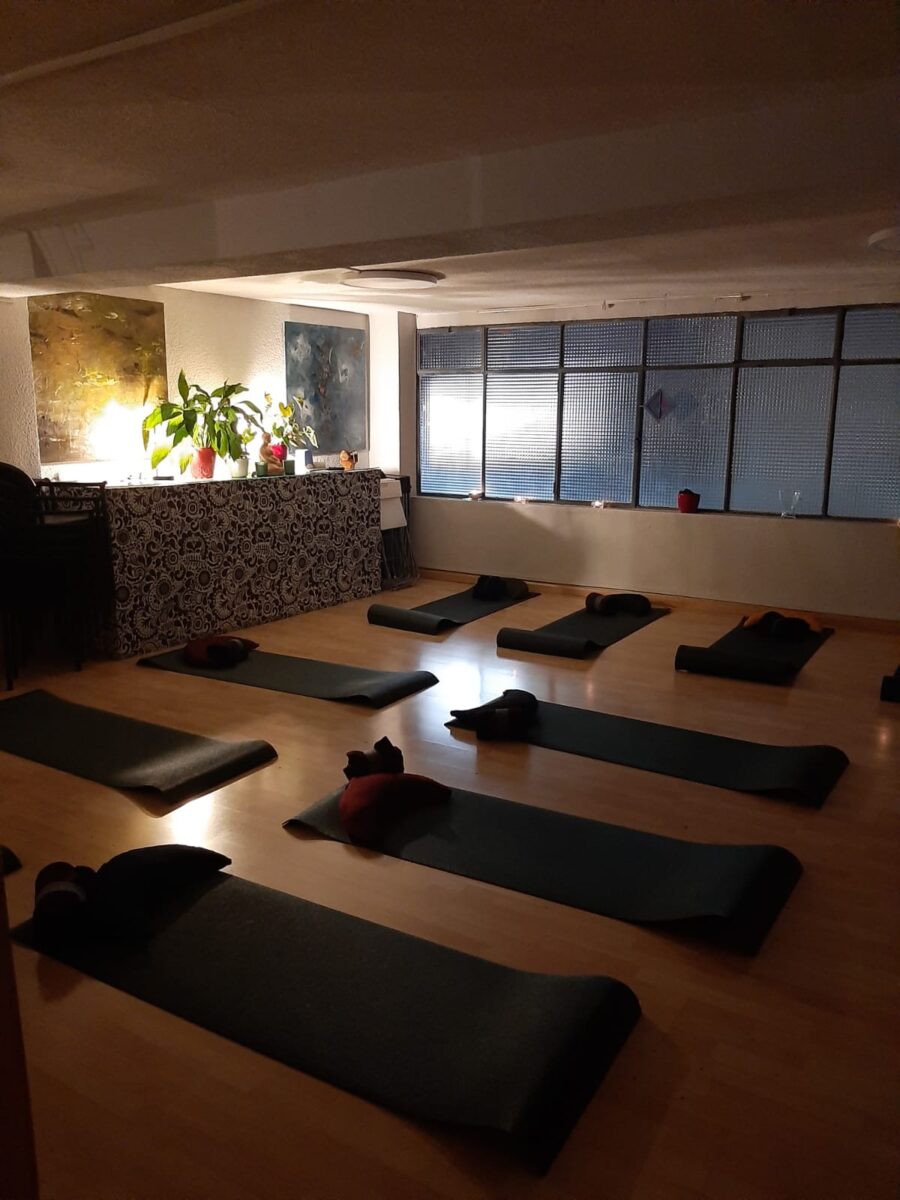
(287, 429)
(211, 420)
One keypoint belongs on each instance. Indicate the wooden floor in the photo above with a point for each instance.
(772, 1078)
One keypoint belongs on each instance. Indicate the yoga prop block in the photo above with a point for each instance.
(489, 595)
(600, 623)
(890, 687)
(803, 774)
(415, 1027)
(305, 677)
(730, 894)
(121, 752)
(751, 653)
(9, 861)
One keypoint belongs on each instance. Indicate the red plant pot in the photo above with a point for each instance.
(203, 463)
(688, 501)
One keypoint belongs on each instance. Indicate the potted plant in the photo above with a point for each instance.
(287, 431)
(208, 420)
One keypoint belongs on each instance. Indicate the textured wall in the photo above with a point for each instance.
(211, 337)
(18, 420)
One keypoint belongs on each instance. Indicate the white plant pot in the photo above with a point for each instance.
(240, 467)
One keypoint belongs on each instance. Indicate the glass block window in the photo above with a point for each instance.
(450, 433)
(871, 333)
(672, 341)
(770, 412)
(603, 344)
(685, 436)
(780, 439)
(520, 436)
(797, 335)
(865, 461)
(451, 349)
(598, 422)
(523, 347)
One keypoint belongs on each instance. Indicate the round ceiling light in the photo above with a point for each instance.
(392, 281)
(887, 240)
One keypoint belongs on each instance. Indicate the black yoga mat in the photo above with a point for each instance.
(748, 654)
(119, 751)
(305, 677)
(731, 894)
(804, 774)
(9, 861)
(402, 1022)
(890, 687)
(578, 635)
(440, 615)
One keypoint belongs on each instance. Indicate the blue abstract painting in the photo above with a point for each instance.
(325, 371)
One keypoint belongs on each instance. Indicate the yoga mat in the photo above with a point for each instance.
(747, 654)
(731, 894)
(305, 677)
(890, 687)
(804, 774)
(404, 1023)
(119, 751)
(9, 861)
(440, 615)
(578, 635)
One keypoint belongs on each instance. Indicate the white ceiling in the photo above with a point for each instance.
(800, 257)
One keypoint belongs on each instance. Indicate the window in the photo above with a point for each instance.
(767, 412)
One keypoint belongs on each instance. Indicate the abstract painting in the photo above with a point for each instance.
(325, 371)
(95, 360)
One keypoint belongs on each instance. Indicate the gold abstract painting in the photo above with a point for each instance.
(96, 361)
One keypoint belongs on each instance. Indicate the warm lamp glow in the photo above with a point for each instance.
(115, 433)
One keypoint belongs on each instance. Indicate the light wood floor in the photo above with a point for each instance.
(773, 1078)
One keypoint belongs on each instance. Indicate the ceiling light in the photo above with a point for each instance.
(392, 281)
(887, 240)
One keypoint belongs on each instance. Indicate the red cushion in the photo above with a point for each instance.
(219, 650)
(370, 804)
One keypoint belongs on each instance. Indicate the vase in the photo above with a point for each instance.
(203, 463)
(688, 501)
(239, 467)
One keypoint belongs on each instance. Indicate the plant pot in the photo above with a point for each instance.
(239, 467)
(688, 501)
(203, 463)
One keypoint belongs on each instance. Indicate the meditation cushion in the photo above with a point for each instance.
(384, 759)
(784, 626)
(618, 602)
(371, 804)
(219, 650)
(131, 885)
(508, 718)
(494, 587)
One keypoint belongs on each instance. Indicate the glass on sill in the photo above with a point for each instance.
(789, 499)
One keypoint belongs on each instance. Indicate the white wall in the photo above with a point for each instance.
(829, 566)
(212, 338)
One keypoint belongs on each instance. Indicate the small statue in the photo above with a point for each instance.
(349, 459)
(274, 465)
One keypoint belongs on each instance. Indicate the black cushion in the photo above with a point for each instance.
(132, 884)
(618, 602)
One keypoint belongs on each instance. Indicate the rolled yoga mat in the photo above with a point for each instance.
(404, 1023)
(731, 894)
(120, 751)
(580, 634)
(803, 774)
(459, 609)
(305, 677)
(890, 687)
(746, 653)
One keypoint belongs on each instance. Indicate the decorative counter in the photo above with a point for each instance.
(196, 558)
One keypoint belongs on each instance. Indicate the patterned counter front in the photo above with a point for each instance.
(197, 558)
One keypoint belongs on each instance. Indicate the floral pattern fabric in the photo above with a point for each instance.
(211, 557)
